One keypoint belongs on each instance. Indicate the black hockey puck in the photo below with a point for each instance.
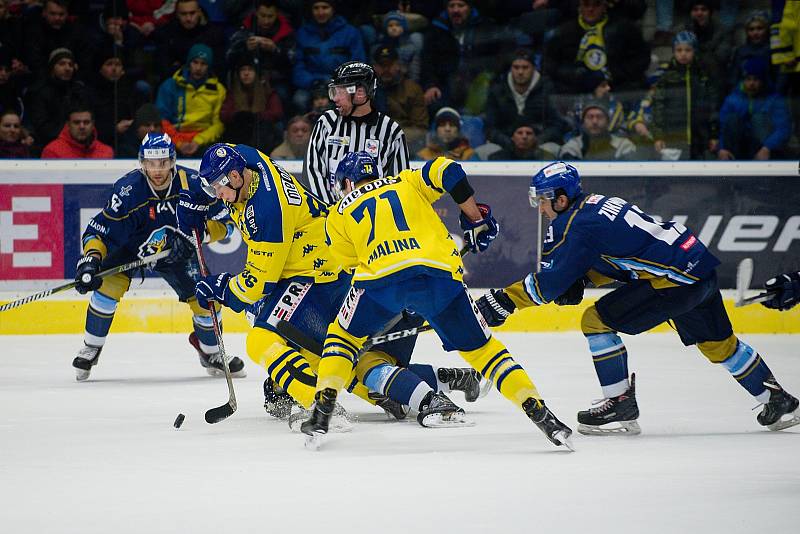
(179, 420)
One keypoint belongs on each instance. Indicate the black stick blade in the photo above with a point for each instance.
(220, 413)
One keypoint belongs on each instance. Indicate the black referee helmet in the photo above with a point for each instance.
(351, 74)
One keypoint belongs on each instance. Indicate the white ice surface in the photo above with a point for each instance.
(102, 456)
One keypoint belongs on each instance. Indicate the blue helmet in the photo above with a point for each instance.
(218, 161)
(551, 178)
(157, 146)
(355, 166)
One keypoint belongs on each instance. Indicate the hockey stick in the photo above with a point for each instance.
(108, 272)
(215, 415)
(744, 275)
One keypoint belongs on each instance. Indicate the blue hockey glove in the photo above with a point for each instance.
(478, 235)
(786, 289)
(212, 288)
(573, 295)
(192, 211)
(496, 307)
(181, 249)
(86, 272)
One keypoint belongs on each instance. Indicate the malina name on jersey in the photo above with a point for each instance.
(390, 247)
(364, 189)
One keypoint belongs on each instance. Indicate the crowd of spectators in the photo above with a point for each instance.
(470, 79)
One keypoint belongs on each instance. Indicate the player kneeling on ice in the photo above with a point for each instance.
(668, 275)
(403, 258)
(138, 221)
(290, 277)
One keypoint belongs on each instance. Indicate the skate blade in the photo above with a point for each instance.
(486, 387)
(213, 371)
(628, 428)
(781, 424)
(562, 437)
(314, 441)
(81, 375)
(447, 420)
(337, 424)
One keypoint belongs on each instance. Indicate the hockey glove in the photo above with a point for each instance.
(212, 288)
(86, 271)
(192, 211)
(496, 307)
(573, 295)
(479, 234)
(786, 289)
(181, 249)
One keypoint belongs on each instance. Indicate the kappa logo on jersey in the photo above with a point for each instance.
(349, 306)
(337, 140)
(155, 242)
(288, 303)
(372, 147)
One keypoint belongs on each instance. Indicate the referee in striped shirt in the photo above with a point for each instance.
(354, 125)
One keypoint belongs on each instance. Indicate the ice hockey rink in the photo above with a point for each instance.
(103, 456)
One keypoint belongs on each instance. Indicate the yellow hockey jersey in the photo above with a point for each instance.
(388, 231)
(284, 229)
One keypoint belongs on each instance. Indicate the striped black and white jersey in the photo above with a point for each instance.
(334, 136)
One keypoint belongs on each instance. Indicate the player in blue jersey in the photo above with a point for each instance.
(290, 275)
(403, 258)
(138, 221)
(668, 275)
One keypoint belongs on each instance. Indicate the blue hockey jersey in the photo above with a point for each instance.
(137, 220)
(608, 238)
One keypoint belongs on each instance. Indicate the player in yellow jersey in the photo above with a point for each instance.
(289, 274)
(404, 258)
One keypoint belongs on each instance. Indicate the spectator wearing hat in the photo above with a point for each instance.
(447, 140)
(460, 57)
(191, 101)
(594, 41)
(395, 34)
(113, 97)
(323, 43)
(49, 100)
(756, 45)
(525, 145)
(714, 41)
(523, 94)
(399, 97)
(252, 110)
(14, 141)
(685, 105)
(595, 141)
(295, 139)
(189, 26)
(266, 35)
(51, 30)
(595, 87)
(78, 139)
(754, 120)
(147, 119)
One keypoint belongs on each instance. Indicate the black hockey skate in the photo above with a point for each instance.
(556, 431)
(87, 358)
(612, 416)
(213, 362)
(392, 408)
(317, 424)
(780, 404)
(464, 379)
(277, 402)
(437, 411)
